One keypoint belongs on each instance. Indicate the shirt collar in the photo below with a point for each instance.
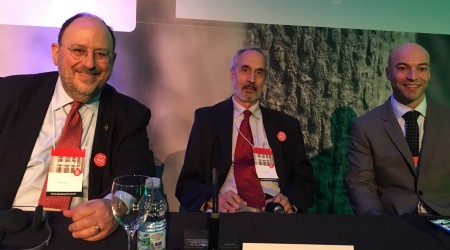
(238, 109)
(61, 98)
(400, 109)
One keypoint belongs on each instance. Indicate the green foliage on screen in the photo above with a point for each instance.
(331, 166)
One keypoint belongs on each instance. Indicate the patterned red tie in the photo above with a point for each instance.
(70, 138)
(247, 182)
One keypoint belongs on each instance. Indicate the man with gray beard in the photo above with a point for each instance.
(259, 153)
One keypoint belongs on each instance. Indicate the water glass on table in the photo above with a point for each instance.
(131, 201)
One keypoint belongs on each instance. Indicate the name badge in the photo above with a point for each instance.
(265, 164)
(65, 176)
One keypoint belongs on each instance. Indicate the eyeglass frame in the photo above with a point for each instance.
(86, 52)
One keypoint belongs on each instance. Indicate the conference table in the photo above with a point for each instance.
(363, 232)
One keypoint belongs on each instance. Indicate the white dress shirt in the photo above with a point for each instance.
(259, 140)
(27, 196)
(400, 110)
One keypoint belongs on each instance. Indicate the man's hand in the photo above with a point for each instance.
(92, 220)
(284, 201)
(228, 202)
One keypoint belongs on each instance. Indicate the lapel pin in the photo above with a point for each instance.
(100, 160)
(281, 136)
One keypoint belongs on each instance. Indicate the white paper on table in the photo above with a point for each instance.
(273, 246)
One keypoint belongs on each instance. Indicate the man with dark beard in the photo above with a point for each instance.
(259, 153)
(103, 130)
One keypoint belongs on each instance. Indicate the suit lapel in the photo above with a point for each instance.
(223, 118)
(101, 143)
(34, 116)
(392, 128)
(431, 134)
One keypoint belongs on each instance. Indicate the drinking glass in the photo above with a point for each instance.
(131, 202)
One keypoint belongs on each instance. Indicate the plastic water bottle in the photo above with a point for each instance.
(152, 234)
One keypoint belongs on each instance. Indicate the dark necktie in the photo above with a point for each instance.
(70, 138)
(412, 131)
(247, 182)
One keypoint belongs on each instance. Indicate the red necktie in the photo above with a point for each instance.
(247, 182)
(70, 138)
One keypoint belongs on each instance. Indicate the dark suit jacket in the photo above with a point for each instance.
(120, 133)
(382, 178)
(210, 145)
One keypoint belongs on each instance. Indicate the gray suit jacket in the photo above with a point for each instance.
(382, 178)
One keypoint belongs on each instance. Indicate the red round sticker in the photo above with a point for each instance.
(271, 165)
(281, 136)
(77, 172)
(100, 160)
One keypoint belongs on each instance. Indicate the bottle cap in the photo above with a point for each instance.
(156, 181)
(149, 182)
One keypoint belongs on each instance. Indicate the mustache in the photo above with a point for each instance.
(249, 85)
(85, 70)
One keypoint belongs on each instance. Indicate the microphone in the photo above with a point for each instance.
(214, 222)
(218, 239)
(274, 207)
(15, 225)
(12, 221)
(207, 238)
(212, 237)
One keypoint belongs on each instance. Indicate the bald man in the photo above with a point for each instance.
(387, 174)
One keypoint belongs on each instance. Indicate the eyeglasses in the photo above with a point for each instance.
(79, 52)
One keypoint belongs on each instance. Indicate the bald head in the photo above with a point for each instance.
(408, 48)
(408, 71)
(84, 14)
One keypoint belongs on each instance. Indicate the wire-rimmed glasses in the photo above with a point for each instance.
(78, 52)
